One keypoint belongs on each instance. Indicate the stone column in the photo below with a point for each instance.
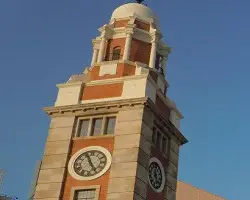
(127, 48)
(153, 53)
(102, 49)
(163, 64)
(94, 57)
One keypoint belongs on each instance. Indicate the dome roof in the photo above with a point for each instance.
(135, 9)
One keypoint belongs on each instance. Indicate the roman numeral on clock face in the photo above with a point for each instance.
(90, 163)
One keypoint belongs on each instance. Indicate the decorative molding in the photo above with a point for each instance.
(96, 44)
(129, 29)
(131, 20)
(106, 31)
(111, 62)
(116, 106)
(135, 17)
(139, 34)
(74, 189)
(63, 85)
(93, 137)
(81, 109)
(142, 35)
(75, 78)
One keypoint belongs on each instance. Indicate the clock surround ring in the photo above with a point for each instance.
(82, 151)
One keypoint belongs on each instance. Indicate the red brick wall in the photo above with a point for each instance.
(102, 91)
(112, 43)
(140, 51)
(121, 23)
(70, 182)
(142, 25)
(127, 70)
(163, 108)
(122, 70)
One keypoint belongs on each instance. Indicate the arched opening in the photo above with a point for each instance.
(158, 63)
(116, 53)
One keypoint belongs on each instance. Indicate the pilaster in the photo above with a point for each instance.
(129, 32)
(53, 168)
(154, 46)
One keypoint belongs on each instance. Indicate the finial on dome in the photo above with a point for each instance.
(139, 1)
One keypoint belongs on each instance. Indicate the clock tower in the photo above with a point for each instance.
(114, 133)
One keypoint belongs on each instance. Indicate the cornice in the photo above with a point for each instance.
(115, 106)
(163, 122)
(62, 85)
(81, 109)
(135, 17)
(137, 33)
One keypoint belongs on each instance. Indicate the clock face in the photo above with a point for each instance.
(156, 175)
(89, 163)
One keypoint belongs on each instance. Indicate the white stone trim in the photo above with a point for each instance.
(139, 34)
(75, 156)
(135, 17)
(96, 43)
(142, 35)
(74, 189)
(63, 85)
(102, 100)
(90, 118)
(110, 69)
(116, 80)
(129, 35)
(162, 172)
(102, 50)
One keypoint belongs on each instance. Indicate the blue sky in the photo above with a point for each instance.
(43, 42)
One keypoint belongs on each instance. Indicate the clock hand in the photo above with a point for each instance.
(90, 162)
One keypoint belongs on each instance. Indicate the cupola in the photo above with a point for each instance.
(139, 11)
(132, 36)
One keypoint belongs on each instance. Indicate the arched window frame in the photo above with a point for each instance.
(116, 53)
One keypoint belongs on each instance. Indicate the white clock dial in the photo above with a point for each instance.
(156, 175)
(89, 163)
